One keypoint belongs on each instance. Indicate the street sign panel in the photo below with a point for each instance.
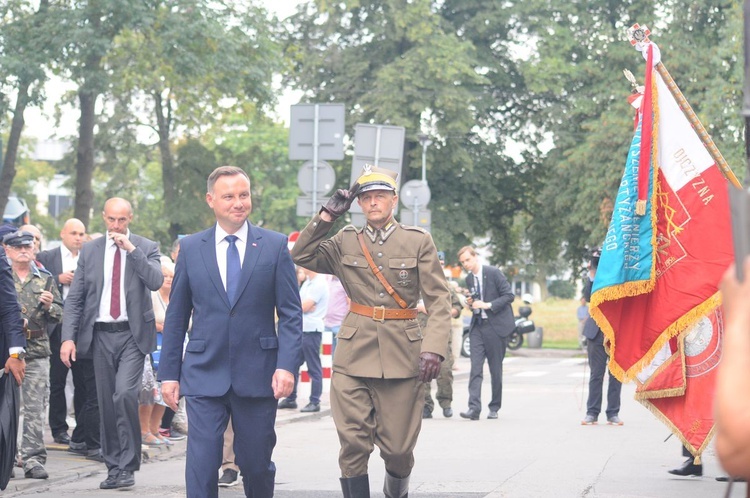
(415, 192)
(326, 178)
(330, 126)
(305, 205)
(379, 145)
(424, 218)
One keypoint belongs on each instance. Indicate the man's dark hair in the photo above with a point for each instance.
(223, 171)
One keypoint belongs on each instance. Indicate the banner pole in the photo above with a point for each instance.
(697, 125)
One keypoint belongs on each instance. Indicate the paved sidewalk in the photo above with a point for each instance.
(64, 467)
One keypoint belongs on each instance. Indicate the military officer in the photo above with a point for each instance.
(383, 355)
(41, 305)
(444, 380)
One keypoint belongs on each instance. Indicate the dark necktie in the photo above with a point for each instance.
(233, 268)
(114, 303)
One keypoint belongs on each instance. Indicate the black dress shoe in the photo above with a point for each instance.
(471, 415)
(126, 479)
(689, 468)
(492, 415)
(95, 455)
(110, 482)
(311, 408)
(448, 412)
(287, 403)
(62, 438)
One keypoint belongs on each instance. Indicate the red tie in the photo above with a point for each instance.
(114, 304)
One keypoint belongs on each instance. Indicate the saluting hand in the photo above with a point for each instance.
(341, 201)
(429, 366)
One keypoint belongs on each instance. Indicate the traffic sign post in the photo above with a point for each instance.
(378, 145)
(415, 195)
(316, 132)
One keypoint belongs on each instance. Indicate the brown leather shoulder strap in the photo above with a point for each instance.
(378, 273)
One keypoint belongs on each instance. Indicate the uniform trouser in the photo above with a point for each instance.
(34, 392)
(382, 412)
(486, 343)
(118, 367)
(58, 375)
(598, 364)
(253, 422)
(444, 384)
(227, 456)
(86, 404)
(311, 354)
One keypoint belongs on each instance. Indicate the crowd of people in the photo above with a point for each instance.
(216, 333)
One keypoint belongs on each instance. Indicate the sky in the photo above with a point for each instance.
(40, 121)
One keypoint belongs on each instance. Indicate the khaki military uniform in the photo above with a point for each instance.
(35, 386)
(376, 397)
(444, 381)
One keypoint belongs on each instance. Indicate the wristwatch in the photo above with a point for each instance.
(19, 356)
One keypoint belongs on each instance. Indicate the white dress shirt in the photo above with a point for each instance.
(109, 261)
(221, 249)
(69, 263)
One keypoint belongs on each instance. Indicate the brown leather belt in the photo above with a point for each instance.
(381, 313)
(33, 334)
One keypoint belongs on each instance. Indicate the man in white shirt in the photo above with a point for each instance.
(314, 294)
(61, 262)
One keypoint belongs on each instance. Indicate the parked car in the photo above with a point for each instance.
(16, 212)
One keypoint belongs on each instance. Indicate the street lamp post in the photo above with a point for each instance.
(425, 141)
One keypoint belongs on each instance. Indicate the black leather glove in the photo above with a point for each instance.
(429, 366)
(341, 201)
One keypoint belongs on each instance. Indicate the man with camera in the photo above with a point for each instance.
(492, 323)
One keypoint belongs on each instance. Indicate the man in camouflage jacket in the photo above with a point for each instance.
(41, 305)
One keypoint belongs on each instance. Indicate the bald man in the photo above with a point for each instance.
(108, 314)
(61, 262)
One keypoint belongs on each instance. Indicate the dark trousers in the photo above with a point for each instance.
(118, 366)
(86, 404)
(598, 364)
(486, 344)
(311, 354)
(253, 422)
(58, 374)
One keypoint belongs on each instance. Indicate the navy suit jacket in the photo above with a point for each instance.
(496, 291)
(232, 344)
(11, 323)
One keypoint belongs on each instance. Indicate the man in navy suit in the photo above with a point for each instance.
(12, 340)
(491, 324)
(233, 279)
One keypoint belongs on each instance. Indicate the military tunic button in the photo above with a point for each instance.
(315, 223)
(382, 294)
(355, 263)
(380, 267)
(402, 265)
(380, 254)
(380, 242)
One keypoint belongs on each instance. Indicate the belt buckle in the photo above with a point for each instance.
(382, 313)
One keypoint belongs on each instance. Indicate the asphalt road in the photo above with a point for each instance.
(537, 448)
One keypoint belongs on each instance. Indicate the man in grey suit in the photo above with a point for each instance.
(491, 324)
(108, 313)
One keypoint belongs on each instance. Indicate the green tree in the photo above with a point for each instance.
(438, 68)
(184, 67)
(574, 75)
(26, 42)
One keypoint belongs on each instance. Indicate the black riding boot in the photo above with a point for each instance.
(396, 487)
(356, 487)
